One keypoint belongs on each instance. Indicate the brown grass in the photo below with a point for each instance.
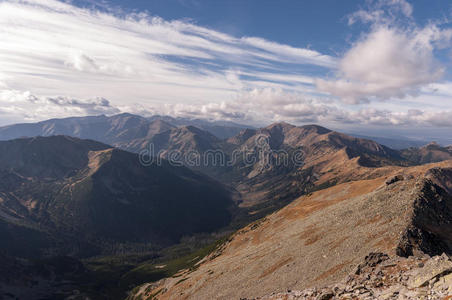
(312, 240)
(386, 244)
(325, 198)
(309, 232)
(373, 220)
(337, 243)
(275, 267)
(332, 271)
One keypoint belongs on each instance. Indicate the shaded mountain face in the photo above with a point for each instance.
(430, 153)
(50, 158)
(69, 196)
(57, 277)
(320, 238)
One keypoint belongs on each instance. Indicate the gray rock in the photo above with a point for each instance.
(429, 274)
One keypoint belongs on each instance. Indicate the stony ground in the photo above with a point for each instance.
(320, 238)
(382, 277)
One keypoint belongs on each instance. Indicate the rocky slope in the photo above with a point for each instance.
(320, 238)
(384, 277)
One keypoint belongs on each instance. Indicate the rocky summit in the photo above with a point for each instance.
(384, 277)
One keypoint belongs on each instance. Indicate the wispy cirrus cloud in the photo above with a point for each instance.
(55, 48)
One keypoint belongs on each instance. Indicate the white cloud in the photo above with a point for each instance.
(411, 117)
(252, 106)
(274, 105)
(392, 60)
(291, 54)
(383, 12)
(82, 62)
(27, 106)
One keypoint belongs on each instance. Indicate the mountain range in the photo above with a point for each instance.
(124, 200)
(260, 163)
(115, 129)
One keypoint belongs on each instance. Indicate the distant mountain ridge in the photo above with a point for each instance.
(257, 181)
(397, 143)
(115, 129)
(221, 129)
(134, 133)
(429, 153)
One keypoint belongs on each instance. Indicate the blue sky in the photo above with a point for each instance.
(321, 25)
(272, 20)
(364, 66)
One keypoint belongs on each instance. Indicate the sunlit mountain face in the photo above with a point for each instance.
(191, 149)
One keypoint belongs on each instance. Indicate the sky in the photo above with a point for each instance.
(378, 67)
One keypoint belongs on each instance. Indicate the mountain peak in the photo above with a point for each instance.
(195, 130)
(317, 128)
(158, 126)
(125, 114)
(432, 144)
(50, 157)
(283, 125)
